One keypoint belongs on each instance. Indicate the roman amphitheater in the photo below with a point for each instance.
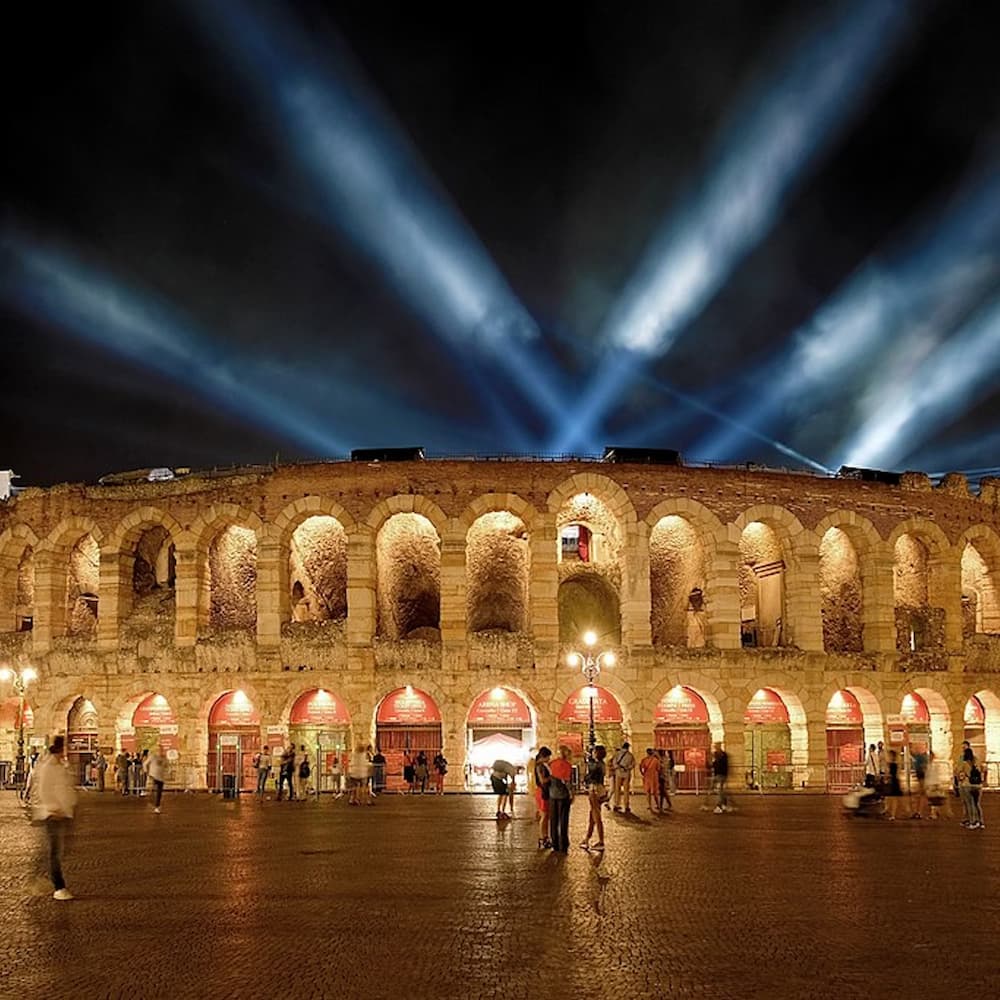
(432, 604)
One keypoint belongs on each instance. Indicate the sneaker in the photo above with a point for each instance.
(157, 809)
(975, 826)
(62, 894)
(717, 809)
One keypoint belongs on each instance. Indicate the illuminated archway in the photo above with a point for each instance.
(500, 725)
(683, 725)
(407, 723)
(320, 722)
(233, 741)
(574, 720)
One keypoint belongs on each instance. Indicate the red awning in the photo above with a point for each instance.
(844, 710)
(681, 706)
(577, 706)
(407, 707)
(502, 708)
(319, 708)
(914, 709)
(154, 710)
(234, 709)
(765, 707)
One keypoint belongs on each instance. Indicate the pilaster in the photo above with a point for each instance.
(454, 611)
(543, 593)
(361, 600)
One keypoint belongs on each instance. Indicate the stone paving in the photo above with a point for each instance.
(426, 897)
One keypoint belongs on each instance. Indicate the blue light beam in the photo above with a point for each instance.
(909, 408)
(370, 185)
(762, 155)
(897, 303)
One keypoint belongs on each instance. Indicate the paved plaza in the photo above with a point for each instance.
(425, 897)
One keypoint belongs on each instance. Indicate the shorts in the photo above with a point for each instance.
(499, 787)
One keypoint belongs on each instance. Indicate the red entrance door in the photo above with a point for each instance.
(690, 748)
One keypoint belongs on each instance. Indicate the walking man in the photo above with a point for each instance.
(53, 803)
(720, 775)
(156, 770)
(263, 762)
(286, 772)
(100, 766)
(624, 765)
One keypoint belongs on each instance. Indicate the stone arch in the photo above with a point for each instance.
(52, 569)
(626, 695)
(871, 709)
(488, 503)
(407, 503)
(16, 543)
(201, 536)
(798, 721)
(679, 562)
(307, 685)
(408, 576)
(991, 705)
(925, 567)
(131, 526)
(607, 489)
(589, 601)
(981, 580)
(324, 593)
(498, 571)
(708, 689)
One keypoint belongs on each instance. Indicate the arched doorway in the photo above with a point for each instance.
(845, 742)
(767, 741)
(153, 724)
(407, 721)
(10, 728)
(681, 726)
(499, 726)
(233, 739)
(81, 740)
(574, 720)
(320, 722)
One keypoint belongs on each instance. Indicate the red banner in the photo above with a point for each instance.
(234, 710)
(765, 707)
(319, 708)
(577, 706)
(975, 714)
(776, 758)
(914, 709)
(502, 708)
(9, 714)
(844, 710)
(154, 711)
(407, 707)
(681, 706)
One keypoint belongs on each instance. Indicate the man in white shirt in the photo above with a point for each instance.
(623, 764)
(156, 770)
(53, 800)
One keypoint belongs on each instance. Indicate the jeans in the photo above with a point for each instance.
(283, 776)
(975, 812)
(55, 833)
(262, 780)
(559, 824)
(970, 809)
(719, 787)
(157, 792)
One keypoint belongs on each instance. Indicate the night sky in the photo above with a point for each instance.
(140, 148)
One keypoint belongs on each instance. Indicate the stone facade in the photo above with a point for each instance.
(460, 576)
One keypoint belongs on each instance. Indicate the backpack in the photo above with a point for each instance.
(975, 775)
(304, 769)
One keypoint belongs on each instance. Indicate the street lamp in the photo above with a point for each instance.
(19, 680)
(591, 667)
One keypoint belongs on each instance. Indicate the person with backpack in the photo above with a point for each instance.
(970, 782)
(560, 799)
(623, 764)
(303, 773)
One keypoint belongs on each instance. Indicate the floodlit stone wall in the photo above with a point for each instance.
(448, 576)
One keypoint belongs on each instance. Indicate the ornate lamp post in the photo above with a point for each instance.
(591, 665)
(19, 680)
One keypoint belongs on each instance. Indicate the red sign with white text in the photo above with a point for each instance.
(681, 706)
(502, 708)
(154, 711)
(319, 708)
(407, 707)
(234, 710)
(577, 706)
(844, 710)
(975, 714)
(765, 707)
(914, 709)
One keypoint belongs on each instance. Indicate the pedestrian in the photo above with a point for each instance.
(139, 772)
(263, 762)
(612, 778)
(156, 771)
(336, 774)
(511, 792)
(970, 780)
(649, 768)
(303, 773)
(720, 775)
(53, 800)
(894, 788)
(369, 785)
(671, 776)
(560, 799)
(440, 770)
(624, 765)
(499, 775)
(421, 772)
(883, 764)
(357, 770)
(408, 772)
(122, 766)
(286, 772)
(378, 771)
(939, 782)
(666, 780)
(543, 779)
(597, 793)
(100, 766)
(920, 761)
(871, 767)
